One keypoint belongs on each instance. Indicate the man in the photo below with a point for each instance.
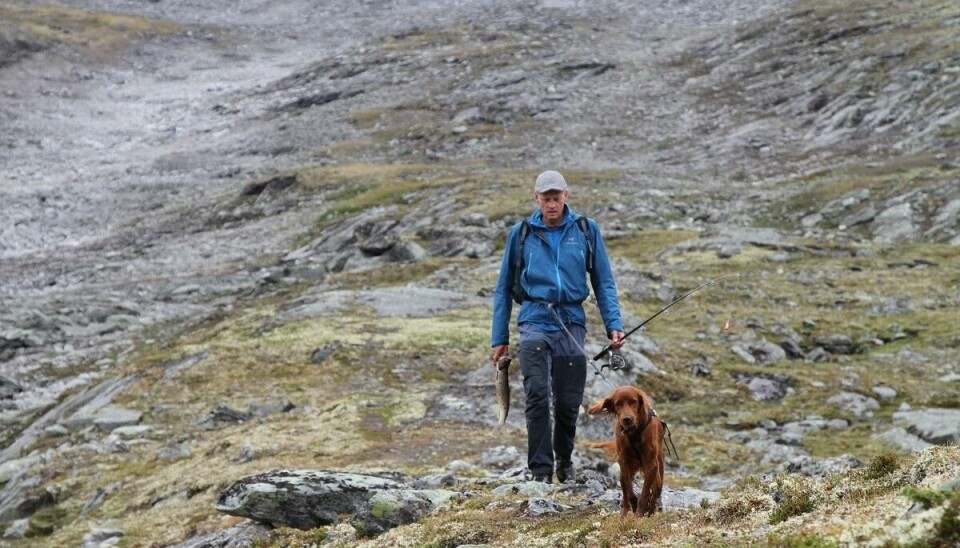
(559, 248)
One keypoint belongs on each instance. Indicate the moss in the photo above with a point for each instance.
(800, 541)
(947, 530)
(99, 35)
(44, 521)
(283, 537)
(459, 539)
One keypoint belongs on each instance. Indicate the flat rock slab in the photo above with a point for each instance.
(306, 499)
(933, 425)
(391, 301)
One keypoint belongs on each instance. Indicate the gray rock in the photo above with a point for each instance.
(812, 423)
(774, 453)
(266, 409)
(790, 438)
(838, 425)
(768, 388)
(14, 468)
(246, 534)
(55, 431)
(681, 499)
(858, 217)
(407, 252)
(885, 393)
(320, 355)
(902, 440)
(176, 366)
(97, 498)
(17, 529)
(836, 344)
(22, 496)
(934, 425)
(387, 509)
(81, 408)
(792, 349)
(811, 220)
(502, 456)
(8, 388)
(435, 481)
(461, 466)
(99, 537)
(131, 432)
(475, 219)
(858, 405)
(177, 452)
(537, 507)
(895, 224)
(307, 498)
(762, 351)
(817, 354)
(950, 377)
(846, 203)
(528, 488)
(744, 353)
(821, 468)
(111, 417)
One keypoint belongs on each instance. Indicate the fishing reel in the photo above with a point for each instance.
(615, 360)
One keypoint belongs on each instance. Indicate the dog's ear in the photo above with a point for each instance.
(643, 403)
(599, 407)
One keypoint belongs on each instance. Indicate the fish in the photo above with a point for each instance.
(503, 389)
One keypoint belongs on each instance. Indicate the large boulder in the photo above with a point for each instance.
(933, 425)
(858, 405)
(311, 498)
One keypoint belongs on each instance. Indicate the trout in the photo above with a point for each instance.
(503, 388)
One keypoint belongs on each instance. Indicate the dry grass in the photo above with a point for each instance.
(96, 33)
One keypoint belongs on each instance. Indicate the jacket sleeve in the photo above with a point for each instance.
(604, 286)
(502, 296)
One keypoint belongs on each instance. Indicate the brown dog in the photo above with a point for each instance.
(638, 443)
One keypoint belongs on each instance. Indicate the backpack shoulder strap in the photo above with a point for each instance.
(517, 290)
(584, 224)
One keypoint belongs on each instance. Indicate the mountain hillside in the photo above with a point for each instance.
(248, 250)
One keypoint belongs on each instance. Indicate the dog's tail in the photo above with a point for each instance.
(609, 447)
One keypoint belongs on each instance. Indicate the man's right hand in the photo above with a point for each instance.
(499, 352)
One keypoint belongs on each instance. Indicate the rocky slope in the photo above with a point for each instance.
(247, 236)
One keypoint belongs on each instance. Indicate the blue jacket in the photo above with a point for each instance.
(557, 274)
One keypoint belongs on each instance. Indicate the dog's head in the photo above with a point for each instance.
(629, 404)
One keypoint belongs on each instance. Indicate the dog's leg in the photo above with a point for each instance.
(652, 486)
(630, 500)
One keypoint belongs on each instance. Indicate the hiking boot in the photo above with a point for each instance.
(543, 478)
(565, 472)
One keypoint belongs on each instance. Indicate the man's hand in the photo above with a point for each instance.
(499, 352)
(616, 339)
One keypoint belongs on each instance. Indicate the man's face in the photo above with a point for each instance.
(551, 205)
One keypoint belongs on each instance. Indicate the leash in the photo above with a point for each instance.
(670, 439)
(598, 371)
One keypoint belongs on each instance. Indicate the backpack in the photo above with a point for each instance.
(517, 292)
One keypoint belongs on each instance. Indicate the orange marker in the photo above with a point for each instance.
(726, 326)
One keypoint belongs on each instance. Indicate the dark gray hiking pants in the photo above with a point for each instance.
(553, 369)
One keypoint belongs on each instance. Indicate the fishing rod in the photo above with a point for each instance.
(704, 285)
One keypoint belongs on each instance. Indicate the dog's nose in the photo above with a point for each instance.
(627, 421)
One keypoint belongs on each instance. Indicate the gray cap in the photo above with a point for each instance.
(549, 180)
